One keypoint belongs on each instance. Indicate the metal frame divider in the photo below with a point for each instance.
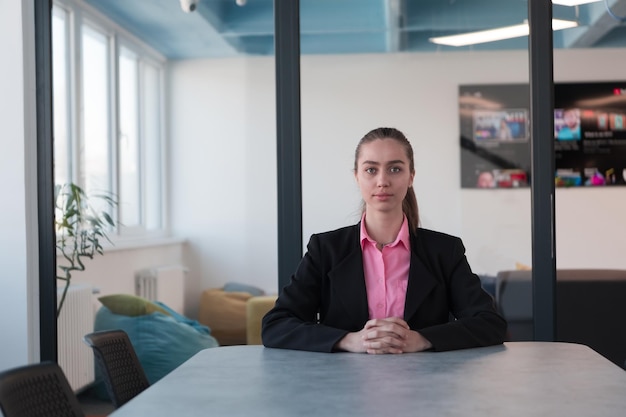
(542, 169)
(45, 182)
(288, 140)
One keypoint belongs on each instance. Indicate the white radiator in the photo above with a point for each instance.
(165, 284)
(75, 321)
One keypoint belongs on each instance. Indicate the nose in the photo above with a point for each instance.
(383, 179)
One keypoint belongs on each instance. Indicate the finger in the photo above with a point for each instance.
(380, 333)
(384, 323)
(398, 321)
(374, 335)
(387, 330)
(374, 323)
(373, 345)
(385, 343)
(392, 342)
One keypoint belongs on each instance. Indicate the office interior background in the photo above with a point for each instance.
(219, 137)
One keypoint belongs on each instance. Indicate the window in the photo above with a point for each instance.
(128, 142)
(108, 100)
(94, 156)
(61, 96)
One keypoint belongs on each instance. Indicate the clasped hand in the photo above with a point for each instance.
(388, 335)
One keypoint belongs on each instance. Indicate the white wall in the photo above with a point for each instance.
(223, 169)
(223, 158)
(18, 257)
(114, 272)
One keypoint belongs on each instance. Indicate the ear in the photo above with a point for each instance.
(411, 179)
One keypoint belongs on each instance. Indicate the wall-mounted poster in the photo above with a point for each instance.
(589, 135)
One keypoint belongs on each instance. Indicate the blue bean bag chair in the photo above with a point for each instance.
(162, 338)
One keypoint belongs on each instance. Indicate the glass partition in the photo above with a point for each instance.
(427, 68)
(453, 76)
(465, 109)
(590, 152)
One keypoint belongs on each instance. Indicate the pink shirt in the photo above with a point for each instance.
(386, 273)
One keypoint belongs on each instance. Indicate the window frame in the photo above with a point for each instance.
(79, 13)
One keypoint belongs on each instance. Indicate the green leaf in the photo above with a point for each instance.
(79, 226)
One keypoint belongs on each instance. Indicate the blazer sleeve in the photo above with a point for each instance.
(475, 320)
(293, 321)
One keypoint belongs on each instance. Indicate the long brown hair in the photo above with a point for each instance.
(409, 204)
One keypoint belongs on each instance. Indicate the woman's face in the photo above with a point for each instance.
(383, 174)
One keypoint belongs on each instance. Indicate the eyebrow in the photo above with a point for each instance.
(397, 161)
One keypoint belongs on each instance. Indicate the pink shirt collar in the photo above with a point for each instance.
(403, 234)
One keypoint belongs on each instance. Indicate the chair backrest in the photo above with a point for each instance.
(37, 390)
(121, 370)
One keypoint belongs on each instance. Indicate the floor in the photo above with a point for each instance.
(94, 406)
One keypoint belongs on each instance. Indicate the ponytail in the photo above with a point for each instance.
(410, 209)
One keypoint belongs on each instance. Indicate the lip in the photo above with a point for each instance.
(383, 196)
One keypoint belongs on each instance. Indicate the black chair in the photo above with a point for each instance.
(37, 390)
(121, 370)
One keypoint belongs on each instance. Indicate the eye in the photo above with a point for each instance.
(370, 170)
(395, 170)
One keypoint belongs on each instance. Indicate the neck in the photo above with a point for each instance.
(383, 227)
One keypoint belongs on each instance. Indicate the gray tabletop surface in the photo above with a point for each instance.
(516, 379)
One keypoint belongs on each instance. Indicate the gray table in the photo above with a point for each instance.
(517, 379)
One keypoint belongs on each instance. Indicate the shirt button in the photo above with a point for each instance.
(380, 305)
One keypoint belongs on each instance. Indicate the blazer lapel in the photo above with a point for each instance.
(348, 285)
(421, 282)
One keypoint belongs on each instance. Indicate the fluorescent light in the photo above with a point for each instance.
(573, 2)
(491, 35)
(558, 24)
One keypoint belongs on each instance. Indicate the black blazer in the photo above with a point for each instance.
(326, 297)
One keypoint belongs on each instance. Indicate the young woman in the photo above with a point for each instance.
(384, 285)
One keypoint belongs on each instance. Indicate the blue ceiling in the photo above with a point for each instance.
(222, 28)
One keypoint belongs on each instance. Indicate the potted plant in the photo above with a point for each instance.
(81, 222)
